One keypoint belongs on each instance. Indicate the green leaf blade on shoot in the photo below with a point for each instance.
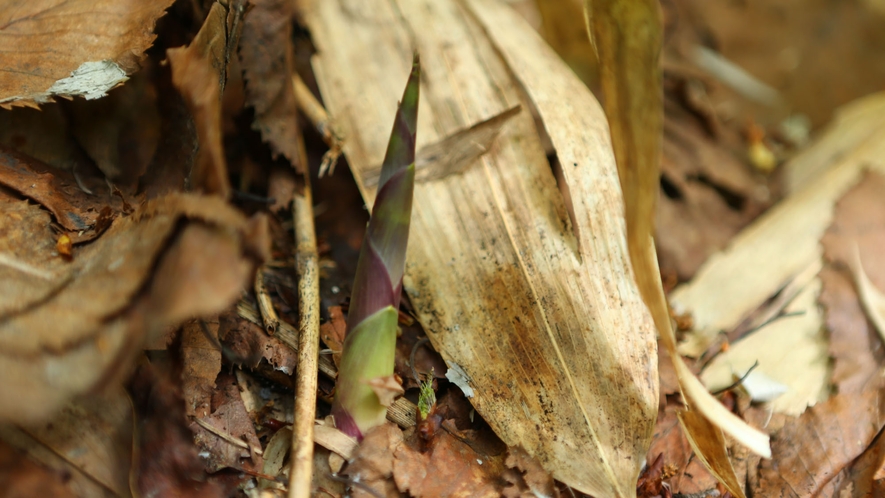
(370, 340)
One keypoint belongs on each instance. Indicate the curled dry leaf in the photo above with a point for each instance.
(538, 291)
(45, 53)
(175, 258)
(57, 190)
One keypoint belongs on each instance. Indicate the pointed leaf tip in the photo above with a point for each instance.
(401, 148)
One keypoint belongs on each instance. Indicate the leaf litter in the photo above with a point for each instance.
(151, 267)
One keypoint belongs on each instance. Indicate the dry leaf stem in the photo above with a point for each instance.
(307, 267)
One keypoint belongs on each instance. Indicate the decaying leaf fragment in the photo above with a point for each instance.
(507, 286)
(627, 38)
(177, 257)
(45, 53)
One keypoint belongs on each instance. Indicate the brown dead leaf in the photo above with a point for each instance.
(332, 332)
(450, 468)
(865, 476)
(95, 436)
(229, 418)
(45, 52)
(669, 441)
(811, 450)
(707, 192)
(20, 477)
(252, 343)
(43, 134)
(201, 364)
(266, 58)
(708, 443)
(66, 345)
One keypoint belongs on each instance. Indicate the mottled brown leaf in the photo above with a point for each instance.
(809, 451)
(229, 418)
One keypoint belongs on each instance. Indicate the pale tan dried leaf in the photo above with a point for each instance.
(69, 48)
(329, 437)
(274, 456)
(792, 351)
(532, 302)
(785, 241)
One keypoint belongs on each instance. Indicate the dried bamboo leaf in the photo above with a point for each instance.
(495, 270)
(627, 38)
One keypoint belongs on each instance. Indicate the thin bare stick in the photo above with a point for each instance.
(265, 305)
(316, 113)
(307, 267)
